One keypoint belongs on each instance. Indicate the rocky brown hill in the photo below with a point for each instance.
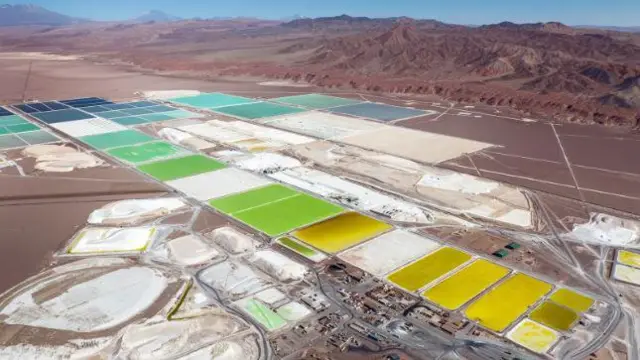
(548, 62)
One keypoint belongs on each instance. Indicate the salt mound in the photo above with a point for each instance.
(402, 211)
(268, 163)
(224, 350)
(608, 229)
(74, 350)
(169, 339)
(58, 158)
(185, 139)
(132, 211)
(462, 183)
(278, 265)
(169, 94)
(232, 240)
(228, 155)
(189, 250)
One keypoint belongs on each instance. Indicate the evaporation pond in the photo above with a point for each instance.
(139, 153)
(258, 110)
(316, 101)
(116, 139)
(505, 303)
(172, 169)
(341, 232)
(466, 284)
(422, 272)
(275, 209)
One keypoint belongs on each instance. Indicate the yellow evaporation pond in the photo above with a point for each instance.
(572, 300)
(505, 303)
(533, 336)
(554, 316)
(466, 284)
(341, 232)
(629, 258)
(429, 268)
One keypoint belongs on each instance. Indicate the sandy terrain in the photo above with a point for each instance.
(548, 157)
(50, 79)
(29, 248)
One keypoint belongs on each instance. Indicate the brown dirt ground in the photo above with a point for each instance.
(32, 231)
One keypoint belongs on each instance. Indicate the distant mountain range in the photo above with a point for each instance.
(610, 28)
(26, 14)
(15, 15)
(361, 23)
(156, 16)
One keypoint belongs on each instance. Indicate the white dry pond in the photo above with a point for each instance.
(269, 134)
(323, 125)
(217, 132)
(388, 252)
(218, 183)
(410, 144)
(85, 300)
(627, 274)
(168, 94)
(96, 126)
(104, 240)
(245, 136)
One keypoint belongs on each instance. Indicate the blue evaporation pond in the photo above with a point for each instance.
(380, 112)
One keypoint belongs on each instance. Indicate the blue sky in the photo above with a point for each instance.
(572, 12)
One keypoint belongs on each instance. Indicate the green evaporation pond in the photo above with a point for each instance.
(166, 170)
(145, 152)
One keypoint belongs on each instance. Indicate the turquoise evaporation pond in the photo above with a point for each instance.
(150, 118)
(211, 100)
(258, 110)
(315, 101)
(9, 141)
